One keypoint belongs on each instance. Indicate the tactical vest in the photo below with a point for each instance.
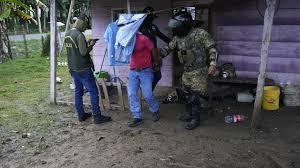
(191, 53)
(76, 61)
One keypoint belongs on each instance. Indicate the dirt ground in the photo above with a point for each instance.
(164, 144)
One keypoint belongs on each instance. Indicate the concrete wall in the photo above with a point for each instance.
(101, 15)
(240, 33)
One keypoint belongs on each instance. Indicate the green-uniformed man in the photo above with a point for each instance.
(192, 45)
(80, 67)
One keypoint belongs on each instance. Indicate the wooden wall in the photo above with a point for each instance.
(239, 35)
(101, 17)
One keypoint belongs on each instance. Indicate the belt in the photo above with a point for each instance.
(138, 69)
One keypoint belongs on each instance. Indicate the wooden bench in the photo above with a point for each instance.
(105, 102)
(233, 83)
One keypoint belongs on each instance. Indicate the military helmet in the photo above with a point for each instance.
(180, 18)
(181, 23)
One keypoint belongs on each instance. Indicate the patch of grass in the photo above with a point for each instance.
(24, 91)
(18, 48)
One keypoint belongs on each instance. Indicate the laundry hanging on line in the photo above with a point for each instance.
(120, 37)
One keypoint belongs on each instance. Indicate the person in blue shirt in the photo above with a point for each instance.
(151, 31)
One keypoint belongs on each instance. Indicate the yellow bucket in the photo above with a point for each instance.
(271, 98)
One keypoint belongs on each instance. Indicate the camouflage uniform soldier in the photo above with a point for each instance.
(192, 44)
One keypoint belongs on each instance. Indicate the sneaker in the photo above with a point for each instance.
(155, 116)
(84, 117)
(135, 122)
(99, 119)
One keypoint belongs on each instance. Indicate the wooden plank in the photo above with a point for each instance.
(238, 80)
(280, 33)
(267, 31)
(246, 63)
(277, 49)
(277, 77)
(53, 51)
(38, 11)
(69, 15)
(120, 95)
(25, 42)
(181, 3)
(212, 15)
(128, 7)
(107, 101)
(100, 97)
(230, 5)
(252, 17)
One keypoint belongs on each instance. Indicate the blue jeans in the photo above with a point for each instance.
(156, 78)
(136, 80)
(85, 79)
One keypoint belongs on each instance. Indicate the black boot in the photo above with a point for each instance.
(195, 121)
(99, 119)
(84, 117)
(186, 116)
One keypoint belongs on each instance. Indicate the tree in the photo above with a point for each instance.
(10, 9)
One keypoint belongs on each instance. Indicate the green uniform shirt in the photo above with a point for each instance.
(77, 51)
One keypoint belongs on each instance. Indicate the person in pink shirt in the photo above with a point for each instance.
(143, 60)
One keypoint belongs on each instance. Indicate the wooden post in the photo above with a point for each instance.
(104, 87)
(100, 96)
(42, 7)
(212, 25)
(25, 41)
(27, 28)
(128, 7)
(268, 22)
(53, 52)
(69, 15)
(38, 11)
(67, 26)
(45, 21)
(15, 27)
(120, 95)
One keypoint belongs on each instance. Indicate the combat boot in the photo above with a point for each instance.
(186, 116)
(195, 118)
(192, 124)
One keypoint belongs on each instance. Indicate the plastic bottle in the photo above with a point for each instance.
(235, 118)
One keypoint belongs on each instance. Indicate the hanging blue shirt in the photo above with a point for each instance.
(110, 38)
(120, 37)
(126, 36)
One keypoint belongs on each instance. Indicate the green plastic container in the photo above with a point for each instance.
(102, 75)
